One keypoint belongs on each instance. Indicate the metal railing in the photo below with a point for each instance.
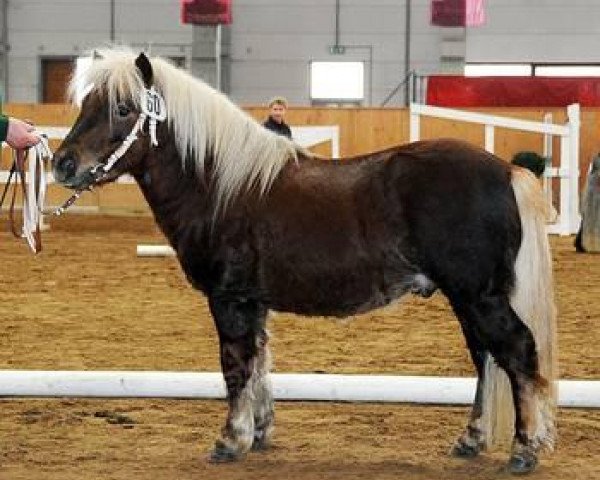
(413, 86)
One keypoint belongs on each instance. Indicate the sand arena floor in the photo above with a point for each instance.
(88, 303)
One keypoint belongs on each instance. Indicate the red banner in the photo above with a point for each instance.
(206, 12)
(457, 91)
(457, 13)
(475, 13)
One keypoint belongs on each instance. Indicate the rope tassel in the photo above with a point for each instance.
(33, 189)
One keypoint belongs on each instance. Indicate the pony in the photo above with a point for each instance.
(258, 224)
(588, 236)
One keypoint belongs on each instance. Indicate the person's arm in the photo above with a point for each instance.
(3, 127)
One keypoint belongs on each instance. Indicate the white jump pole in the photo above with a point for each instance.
(155, 251)
(286, 386)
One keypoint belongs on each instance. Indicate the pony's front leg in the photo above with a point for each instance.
(239, 323)
(264, 412)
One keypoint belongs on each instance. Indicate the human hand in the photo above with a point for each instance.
(21, 134)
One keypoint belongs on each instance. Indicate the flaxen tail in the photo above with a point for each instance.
(532, 299)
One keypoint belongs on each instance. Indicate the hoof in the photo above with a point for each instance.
(261, 442)
(462, 450)
(260, 445)
(224, 454)
(522, 463)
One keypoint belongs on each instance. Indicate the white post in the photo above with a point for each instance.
(564, 220)
(547, 152)
(155, 251)
(414, 124)
(573, 113)
(489, 138)
(335, 143)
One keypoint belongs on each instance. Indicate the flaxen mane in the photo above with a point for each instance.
(205, 122)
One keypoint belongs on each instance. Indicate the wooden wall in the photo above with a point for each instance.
(365, 130)
(362, 130)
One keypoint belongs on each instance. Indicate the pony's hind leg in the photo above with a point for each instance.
(239, 324)
(512, 345)
(472, 441)
(263, 404)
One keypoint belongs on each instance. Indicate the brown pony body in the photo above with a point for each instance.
(336, 238)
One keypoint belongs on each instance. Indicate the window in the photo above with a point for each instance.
(567, 70)
(338, 82)
(55, 78)
(498, 70)
(530, 69)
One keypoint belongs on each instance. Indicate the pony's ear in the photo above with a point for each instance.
(145, 68)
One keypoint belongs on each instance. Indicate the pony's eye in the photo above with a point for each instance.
(123, 110)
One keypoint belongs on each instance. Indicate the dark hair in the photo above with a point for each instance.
(532, 161)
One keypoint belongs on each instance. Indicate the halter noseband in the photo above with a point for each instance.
(153, 107)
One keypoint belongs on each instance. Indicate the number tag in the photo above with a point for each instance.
(153, 104)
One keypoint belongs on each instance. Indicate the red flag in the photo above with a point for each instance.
(457, 13)
(206, 12)
(475, 13)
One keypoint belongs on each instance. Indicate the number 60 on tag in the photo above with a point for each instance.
(153, 105)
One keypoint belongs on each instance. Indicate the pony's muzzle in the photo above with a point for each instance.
(65, 166)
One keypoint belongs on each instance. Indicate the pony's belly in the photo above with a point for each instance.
(347, 296)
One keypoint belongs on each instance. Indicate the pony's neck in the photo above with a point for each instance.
(177, 198)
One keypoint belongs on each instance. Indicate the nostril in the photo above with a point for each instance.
(66, 165)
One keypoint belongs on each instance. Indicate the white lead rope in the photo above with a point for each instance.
(34, 193)
(33, 203)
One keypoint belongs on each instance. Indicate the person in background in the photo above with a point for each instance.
(17, 133)
(276, 121)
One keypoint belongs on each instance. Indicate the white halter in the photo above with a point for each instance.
(153, 108)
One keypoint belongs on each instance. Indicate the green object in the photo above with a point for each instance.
(337, 49)
(3, 125)
(532, 161)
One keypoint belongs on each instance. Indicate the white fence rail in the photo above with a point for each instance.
(568, 219)
(286, 386)
(308, 136)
